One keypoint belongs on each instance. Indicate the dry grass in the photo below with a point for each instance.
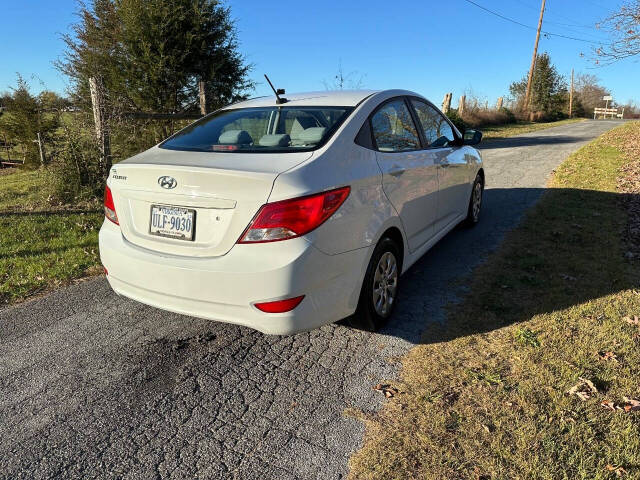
(481, 117)
(485, 396)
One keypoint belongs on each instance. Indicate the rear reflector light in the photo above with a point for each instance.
(109, 206)
(106, 272)
(279, 306)
(293, 218)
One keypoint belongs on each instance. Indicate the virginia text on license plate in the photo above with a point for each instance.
(172, 222)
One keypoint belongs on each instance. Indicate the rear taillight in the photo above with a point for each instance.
(279, 306)
(109, 206)
(293, 218)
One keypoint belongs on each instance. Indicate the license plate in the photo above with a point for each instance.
(172, 222)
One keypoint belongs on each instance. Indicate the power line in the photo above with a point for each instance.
(548, 34)
(549, 12)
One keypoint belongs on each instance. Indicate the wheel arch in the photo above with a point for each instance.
(395, 234)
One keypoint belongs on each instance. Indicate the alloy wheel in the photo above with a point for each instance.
(385, 284)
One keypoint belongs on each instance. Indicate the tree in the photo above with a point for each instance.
(548, 88)
(27, 115)
(151, 54)
(623, 28)
(588, 94)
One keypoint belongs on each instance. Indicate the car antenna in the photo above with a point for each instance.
(278, 92)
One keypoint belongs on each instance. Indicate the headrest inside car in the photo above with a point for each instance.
(235, 137)
(275, 140)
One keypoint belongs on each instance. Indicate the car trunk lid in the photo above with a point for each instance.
(225, 190)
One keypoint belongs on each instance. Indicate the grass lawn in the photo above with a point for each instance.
(512, 129)
(42, 247)
(485, 396)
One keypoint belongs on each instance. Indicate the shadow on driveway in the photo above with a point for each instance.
(538, 140)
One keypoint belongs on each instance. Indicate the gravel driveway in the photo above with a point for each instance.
(94, 385)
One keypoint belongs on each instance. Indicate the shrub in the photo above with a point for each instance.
(477, 117)
(76, 172)
(457, 120)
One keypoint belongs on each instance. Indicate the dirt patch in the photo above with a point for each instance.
(7, 171)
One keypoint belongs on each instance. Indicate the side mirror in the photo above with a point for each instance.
(472, 137)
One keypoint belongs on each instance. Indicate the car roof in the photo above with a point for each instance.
(343, 98)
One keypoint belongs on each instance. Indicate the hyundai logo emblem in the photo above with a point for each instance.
(167, 182)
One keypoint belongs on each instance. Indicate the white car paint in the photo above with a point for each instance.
(215, 277)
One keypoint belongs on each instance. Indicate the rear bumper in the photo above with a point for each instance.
(225, 288)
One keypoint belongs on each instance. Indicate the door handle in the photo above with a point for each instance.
(396, 170)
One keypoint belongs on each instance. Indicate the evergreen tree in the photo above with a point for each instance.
(26, 116)
(151, 54)
(548, 89)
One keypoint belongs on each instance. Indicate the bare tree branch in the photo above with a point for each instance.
(623, 28)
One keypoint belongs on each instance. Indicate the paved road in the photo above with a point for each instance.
(93, 385)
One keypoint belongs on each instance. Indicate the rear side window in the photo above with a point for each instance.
(263, 129)
(393, 128)
(437, 131)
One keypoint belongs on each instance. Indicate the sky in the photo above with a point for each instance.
(430, 47)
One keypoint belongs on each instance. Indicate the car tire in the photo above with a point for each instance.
(475, 202)
(379, 293)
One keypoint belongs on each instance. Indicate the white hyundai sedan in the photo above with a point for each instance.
(287, 214)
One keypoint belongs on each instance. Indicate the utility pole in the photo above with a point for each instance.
(571, 96)
(533, 60)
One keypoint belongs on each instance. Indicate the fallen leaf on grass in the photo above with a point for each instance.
(584, 390)
(632, 320)
(631, 404)
(608, 356)
(628, 405)
(619, 471)
(387, 390)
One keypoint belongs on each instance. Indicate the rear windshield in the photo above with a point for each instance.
(263, 129)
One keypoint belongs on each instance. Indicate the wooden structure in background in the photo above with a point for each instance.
(446, 103)
(613, 112)
(571, 96)
(202, 97)
(101, 124)
(461, 104)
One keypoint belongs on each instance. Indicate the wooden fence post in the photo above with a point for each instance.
(41, 149)
(446, 103)
(461, 104)
(102, 126)
(203, 97)
(499, 103)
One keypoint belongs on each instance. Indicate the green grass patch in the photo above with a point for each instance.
(25, 189)
(42, 247)
(485, 394)
(513, 129)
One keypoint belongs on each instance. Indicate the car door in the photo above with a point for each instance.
(452, 165)
(409, 173)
